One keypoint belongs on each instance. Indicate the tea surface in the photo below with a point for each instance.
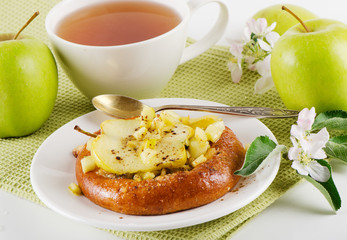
(117, 23)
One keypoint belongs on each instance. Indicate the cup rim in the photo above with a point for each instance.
(48, 22)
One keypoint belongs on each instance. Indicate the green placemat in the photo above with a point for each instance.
(205, 77)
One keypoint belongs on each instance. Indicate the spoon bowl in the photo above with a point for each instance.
(118, 106)
(125, 107)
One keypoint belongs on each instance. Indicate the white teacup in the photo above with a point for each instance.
(139, 70)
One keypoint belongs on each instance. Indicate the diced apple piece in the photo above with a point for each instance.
(140, 133)
(203, 122)
(75, 189)
(191, 131)
(170, 117)
(200, 135)
(148, 175)
(197, 148)
(185, 120)
(132, 144)
(147, 116)
(88, 164)
(89, 144)
(150, 143)
(157, 125)
(137, 177)
(198, 160)
(214, 131)
(143, 176)
(198, 144)
(163, 172)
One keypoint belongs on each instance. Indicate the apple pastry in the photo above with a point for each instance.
(158, 164)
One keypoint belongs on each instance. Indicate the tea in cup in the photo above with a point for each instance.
(125, 47)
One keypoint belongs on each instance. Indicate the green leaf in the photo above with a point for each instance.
(262, 149)
(337, 148)
(328, 188)
(332, 120)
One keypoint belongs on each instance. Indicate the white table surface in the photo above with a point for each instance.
(302, 213)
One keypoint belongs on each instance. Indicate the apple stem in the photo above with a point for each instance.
(77, 128)
(297, 18)
(26, 24)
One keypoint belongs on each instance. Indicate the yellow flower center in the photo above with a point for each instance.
(304, 159)
(233, 60)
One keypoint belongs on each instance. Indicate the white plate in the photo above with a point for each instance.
(52, 170)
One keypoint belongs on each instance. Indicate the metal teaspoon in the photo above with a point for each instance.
(126, 107)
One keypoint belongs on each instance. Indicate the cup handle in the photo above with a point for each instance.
(213, 35)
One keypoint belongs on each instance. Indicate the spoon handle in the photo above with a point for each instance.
(259, 112)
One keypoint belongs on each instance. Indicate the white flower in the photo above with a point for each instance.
(318, 172)
(253, 52)
(235, 64)
(236, 48)
(264, 83)
(236, 71)
(271, 38)
(308, 146)
(306, 119)
(313, 144)
(258, 27)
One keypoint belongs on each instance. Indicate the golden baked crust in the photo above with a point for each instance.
(169, 193)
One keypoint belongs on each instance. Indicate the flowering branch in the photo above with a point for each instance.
(254, 53)
(309, 153)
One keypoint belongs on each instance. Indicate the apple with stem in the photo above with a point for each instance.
(283, 20)
(28, 84)
(309, 65)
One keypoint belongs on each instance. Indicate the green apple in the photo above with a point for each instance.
(28, 85)
(283, 20)
(310, 68)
